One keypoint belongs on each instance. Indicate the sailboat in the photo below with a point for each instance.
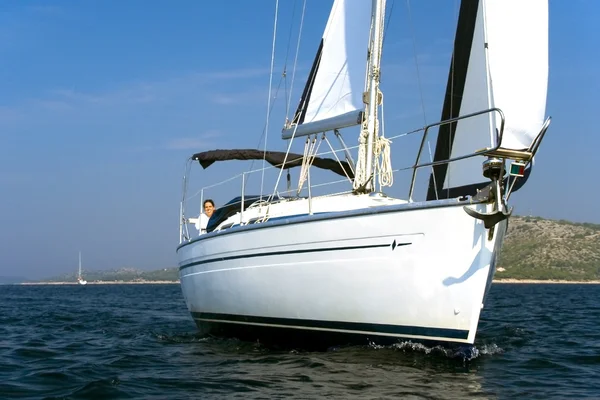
(361, 263)
(80, 279)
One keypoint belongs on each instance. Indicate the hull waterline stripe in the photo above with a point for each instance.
(339, 326)
(286, 252)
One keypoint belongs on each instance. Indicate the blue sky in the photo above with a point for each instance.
(102, 102)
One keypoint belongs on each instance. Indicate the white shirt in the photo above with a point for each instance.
(201, 223)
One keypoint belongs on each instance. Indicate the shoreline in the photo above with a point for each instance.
(501, 281)
(101, 283)
(552, 281)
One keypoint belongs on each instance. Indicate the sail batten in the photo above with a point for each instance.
(336, 82)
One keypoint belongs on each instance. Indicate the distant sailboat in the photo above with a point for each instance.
(80, 279)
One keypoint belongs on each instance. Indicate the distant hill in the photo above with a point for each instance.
(538, 248)
(121, 275)
(11, 280)
(534, 248)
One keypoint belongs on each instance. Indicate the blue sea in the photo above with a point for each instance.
(535, 341)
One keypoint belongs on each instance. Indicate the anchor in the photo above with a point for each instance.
(493, 168)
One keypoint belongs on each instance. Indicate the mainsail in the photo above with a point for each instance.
(333, 95)
(500, 59)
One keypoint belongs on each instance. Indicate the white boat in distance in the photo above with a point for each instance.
(361, 263)
(80, 279)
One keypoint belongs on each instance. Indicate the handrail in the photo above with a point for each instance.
(439, 162)
(538, 139)
(425, 131)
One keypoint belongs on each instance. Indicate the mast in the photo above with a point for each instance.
(371, 132)
(80, 264)
(342, 89)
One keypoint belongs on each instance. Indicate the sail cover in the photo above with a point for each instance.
(332, 96)
(500, 59)
(275, 158)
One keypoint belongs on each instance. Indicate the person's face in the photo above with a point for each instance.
(208, 209)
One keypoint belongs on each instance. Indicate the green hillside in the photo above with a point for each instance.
(537, 248)
(121, 275)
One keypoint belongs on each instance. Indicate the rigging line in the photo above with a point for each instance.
(265, 126)
(287, 54)
(287, 152)
(307, 162)
(419, 83)
(414, 40)
(452, 70)
(333, 151)
(282, 77)
(287, 111)
(387, 25)
(336, 157)
(262, 178)
(249, 172)
(303, 104)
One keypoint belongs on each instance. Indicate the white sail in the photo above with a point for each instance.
(517, 33)
(472, 133)
(332, 97)
(508, 69)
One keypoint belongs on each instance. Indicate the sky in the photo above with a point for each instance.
(102, 102)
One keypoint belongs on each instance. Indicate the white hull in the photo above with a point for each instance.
(368, 264)
(403, 270)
